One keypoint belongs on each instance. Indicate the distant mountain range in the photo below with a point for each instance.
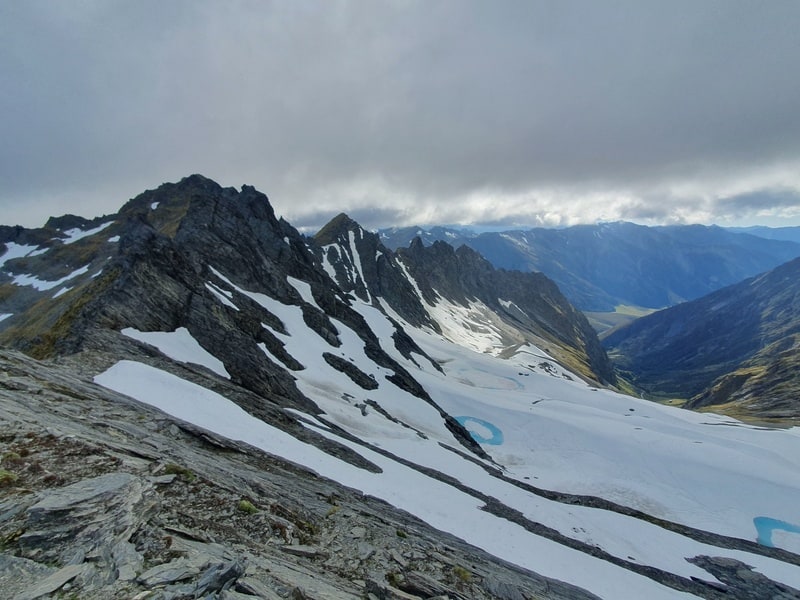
(739, 346)
(600, 267)
(789, 234)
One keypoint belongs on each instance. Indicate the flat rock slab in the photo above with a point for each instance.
(52, 582)
(19, 574)
(84, 516)
(180, 569)
(88, 491)
(302, 550)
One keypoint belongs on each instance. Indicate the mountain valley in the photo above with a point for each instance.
(736, 347)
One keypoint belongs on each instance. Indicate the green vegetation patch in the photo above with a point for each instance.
(183, 472)
(48, 321)
(7, 478)
(246, 507)
(462, 574)
(168, 218)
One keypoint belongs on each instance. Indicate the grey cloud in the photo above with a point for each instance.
(761, 200)
(435, 100)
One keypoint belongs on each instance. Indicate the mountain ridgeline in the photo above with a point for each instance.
(518, 307)
(599, 267)
(173, 258)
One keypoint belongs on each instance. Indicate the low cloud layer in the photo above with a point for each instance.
(534, 113)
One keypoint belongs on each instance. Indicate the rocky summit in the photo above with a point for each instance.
(197, 401)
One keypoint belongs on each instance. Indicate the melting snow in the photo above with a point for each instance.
(14, 250)
(223, 296)
(179, 345)
(41, 284)
(439, 504)
(73, 235)
(304, 289)
(326, 263)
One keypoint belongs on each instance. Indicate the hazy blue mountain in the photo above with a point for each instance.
(789, 234)
(599, 267)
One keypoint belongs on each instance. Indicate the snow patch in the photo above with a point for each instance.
(437, 503)
(73, 235)
(304, 289)
(43, 285)
(181, 346)
(223, 296)
(327, 265)
(359, 271)
(14, 250)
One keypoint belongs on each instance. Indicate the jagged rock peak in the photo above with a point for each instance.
(167, 205)
(70, 222)
(336, 228)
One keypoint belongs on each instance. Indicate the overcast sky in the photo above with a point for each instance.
(511, 113)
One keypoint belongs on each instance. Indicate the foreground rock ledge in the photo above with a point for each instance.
(107, 498)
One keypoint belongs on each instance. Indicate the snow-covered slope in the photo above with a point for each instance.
(665, 473)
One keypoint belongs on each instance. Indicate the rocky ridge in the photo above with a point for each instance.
(159, 266)
(102, 497)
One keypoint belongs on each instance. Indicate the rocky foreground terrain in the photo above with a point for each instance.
(103, 497)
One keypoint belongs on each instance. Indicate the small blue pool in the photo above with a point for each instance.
(766, 525)
(482, 431)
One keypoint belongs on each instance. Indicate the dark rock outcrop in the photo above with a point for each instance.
(193, 254)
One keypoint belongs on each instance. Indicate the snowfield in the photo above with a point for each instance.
(540, 425)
